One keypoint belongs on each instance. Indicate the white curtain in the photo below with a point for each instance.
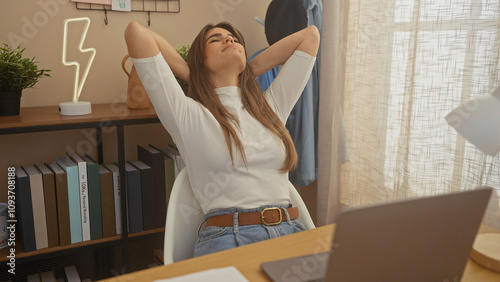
(393, 69)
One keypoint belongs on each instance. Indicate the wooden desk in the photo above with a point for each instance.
(247, 259)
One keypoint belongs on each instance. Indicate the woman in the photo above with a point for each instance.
(231, 136)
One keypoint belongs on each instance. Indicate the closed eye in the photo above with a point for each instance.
(218, 36)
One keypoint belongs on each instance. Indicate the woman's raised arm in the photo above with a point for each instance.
(306, 40)
(144, 43)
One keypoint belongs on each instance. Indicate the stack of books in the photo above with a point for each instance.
(70, 275)
(75, 199)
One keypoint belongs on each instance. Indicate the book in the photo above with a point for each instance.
(49, 190)
(169, 177)
(147, 195)
(38, 204)
(75, 221)
(61, 182)
(155, 159)
(84, 195)
(35, 277)
(94, 198)
(116, 195)
(107, 202)
(158, 256)
(174, 154)
(170, 170)
(134, 198)
(71, 274)
(24, 211)
(179, 162)
(48, 276)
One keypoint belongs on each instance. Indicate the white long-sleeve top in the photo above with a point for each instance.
(215, 182)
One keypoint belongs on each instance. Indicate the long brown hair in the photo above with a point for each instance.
(202, 90)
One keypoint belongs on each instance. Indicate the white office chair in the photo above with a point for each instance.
(184, 216)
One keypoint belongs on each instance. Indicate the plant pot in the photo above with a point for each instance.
(10, 103)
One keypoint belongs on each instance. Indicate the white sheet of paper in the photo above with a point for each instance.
(225, 274)
(121, 5)
(102, 2)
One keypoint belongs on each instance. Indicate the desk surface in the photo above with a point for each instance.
(247, 259)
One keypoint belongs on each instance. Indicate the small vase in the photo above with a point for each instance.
(137, 98)
(10, 103)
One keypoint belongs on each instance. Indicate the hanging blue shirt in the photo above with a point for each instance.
(303, 120)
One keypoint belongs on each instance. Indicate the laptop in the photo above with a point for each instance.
(423, 239)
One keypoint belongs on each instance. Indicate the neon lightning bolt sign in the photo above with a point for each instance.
(78, 84)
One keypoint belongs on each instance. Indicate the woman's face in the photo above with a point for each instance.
(223, 52)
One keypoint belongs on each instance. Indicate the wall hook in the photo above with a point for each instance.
(149, 18)
(105, 16)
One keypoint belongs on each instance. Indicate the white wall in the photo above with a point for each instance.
(38, 27)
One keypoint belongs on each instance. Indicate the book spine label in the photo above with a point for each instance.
(84, 201)
(75, 221)
(117, 197)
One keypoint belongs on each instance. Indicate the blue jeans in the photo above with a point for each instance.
(214, 238)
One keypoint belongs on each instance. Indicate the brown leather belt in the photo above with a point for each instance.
(268, 216)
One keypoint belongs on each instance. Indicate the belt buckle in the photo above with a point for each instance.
(272, 223)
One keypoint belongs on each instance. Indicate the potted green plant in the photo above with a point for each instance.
(183, 51)
(16, 73)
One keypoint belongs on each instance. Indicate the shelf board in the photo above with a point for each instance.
(22, 256)
(148, 233)
(47, 118)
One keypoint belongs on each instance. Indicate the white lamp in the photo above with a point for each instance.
(479, 122)
(76, 107)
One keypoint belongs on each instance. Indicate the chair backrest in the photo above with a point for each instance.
(184, 217)
(304, 215)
